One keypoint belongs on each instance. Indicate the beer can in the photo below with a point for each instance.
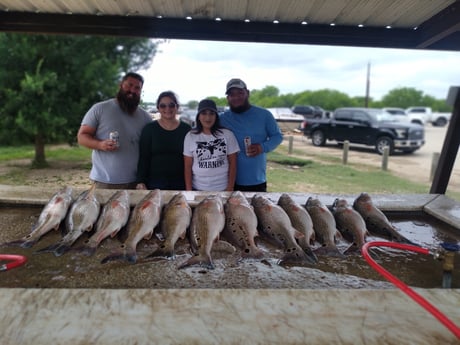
(247, 143)
(115, 137)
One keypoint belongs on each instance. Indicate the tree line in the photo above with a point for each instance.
(403, 97)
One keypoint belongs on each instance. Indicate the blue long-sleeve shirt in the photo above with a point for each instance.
(259, 124)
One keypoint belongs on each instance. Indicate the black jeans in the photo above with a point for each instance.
(254, 188)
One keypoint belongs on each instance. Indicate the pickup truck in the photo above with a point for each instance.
(365, 126)
(424, 115)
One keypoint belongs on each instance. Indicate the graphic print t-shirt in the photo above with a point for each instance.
(210, 163)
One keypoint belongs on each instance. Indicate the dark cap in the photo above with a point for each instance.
(207, 104)
(237, 83)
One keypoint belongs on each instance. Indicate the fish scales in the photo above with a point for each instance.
(208, 220)
(350, 224)
(175, 220)
(113, 218)
(50, 218)
(376, 222)
(325, 227)
(274, 222)
(301, 221)
(144, 218)
(241, 225)
(81, 217)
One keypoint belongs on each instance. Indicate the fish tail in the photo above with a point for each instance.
(402, 239)
(296, 255)
(49, 249)
(329, 250)
(164, 250)
(353, 248)
(87, 250)
(252, 252)
(309, 252)
(20, 243)
(62, 249)
(202, 260)
(129, 256)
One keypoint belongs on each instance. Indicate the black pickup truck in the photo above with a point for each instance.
(366, 126)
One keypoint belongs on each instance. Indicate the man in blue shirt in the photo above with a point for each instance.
(257, 124)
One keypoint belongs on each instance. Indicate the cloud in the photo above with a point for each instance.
(198, 69)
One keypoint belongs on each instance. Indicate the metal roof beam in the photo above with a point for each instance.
(440, 26)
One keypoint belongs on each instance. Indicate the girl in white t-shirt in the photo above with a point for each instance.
(209, 152)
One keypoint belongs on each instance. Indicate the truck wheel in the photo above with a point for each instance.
(383, 142)
(318, 138)
(441, 122)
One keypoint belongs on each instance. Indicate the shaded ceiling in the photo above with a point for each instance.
(411, 24)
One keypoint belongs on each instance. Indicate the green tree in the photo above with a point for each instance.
(51, 81)
(403, 97)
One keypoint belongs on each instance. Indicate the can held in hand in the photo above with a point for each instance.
(247, 143)
(115, 137)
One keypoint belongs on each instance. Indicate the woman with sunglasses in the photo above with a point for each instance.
(161, 164)
(210, 152)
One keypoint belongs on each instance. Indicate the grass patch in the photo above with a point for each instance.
(278, 157)
(337, 179)
(52, 153)
(285, 173)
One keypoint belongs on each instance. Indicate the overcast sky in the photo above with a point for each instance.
(198, 69)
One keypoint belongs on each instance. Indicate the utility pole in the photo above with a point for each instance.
(368, 82)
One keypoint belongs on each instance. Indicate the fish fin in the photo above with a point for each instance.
(252, 252)
(201, 260)
(354, 248)
(223, 246)
(163, 250)
(23, 243)
(295, 255)
(298, 234)
(121, 256)
(337, 236)
(87, 250)
(48, 249)
(329, 250)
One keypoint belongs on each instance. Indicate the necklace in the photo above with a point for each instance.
(168, 125)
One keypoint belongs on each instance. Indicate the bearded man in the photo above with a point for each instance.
(112, 129)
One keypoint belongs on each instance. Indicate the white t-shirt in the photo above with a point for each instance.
(210, 163)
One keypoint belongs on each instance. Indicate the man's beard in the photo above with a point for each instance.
(242, 108)
(128, 104)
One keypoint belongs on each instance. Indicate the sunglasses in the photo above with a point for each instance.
(164, 105)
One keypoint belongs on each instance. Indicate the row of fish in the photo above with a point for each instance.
(287, 224)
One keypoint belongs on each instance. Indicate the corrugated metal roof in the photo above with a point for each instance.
(436, 23)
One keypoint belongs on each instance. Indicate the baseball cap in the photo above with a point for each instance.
(207, 104)
(235, 82)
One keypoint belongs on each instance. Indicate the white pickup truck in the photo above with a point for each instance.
(424, 115)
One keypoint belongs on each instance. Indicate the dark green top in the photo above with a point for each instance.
(161, 160)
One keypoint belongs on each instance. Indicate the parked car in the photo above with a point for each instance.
(309, 111)
(425, 115)
(188, 116)
(286, 119)
(398, 114)
(365, 126)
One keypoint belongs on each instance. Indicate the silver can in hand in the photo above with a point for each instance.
(115, 137)
(247, 143)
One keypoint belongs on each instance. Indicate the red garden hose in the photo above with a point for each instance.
(406, 289)
(14, 261)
